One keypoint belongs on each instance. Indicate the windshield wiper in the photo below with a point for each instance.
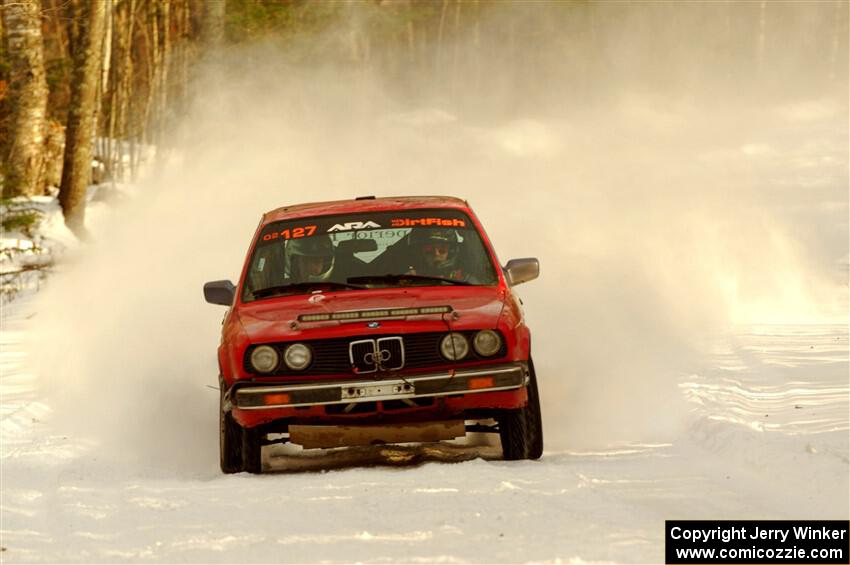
(371, 279)
(303, 286)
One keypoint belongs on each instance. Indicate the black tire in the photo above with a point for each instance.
(534, 418)
(252, 461)
(229, 439)
(512, 434)
(521, 431)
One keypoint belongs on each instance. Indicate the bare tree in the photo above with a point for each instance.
(121, 72)
(82, 115)
(164, 62)
(212, 22)
(23, 151)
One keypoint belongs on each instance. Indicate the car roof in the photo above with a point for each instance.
(363, 204)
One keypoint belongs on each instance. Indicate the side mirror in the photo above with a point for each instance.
(219, 292)
(522, 270)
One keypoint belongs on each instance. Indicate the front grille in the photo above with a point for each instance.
(331, 356)
(362, 356)
(391, 352)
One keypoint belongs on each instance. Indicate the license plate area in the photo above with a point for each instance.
(378, 391)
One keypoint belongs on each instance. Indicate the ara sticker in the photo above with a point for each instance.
(261, 264)
(347, 226)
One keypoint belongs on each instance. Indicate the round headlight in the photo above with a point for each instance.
(264, 359)
(487, 343)
(297, 356)
(454, 346)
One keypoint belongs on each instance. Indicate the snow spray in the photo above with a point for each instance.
(658, 194)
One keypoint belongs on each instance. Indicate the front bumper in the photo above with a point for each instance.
(445, 383)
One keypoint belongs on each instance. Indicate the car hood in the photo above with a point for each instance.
(276, 319)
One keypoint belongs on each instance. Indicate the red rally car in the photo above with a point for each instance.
(374, 320)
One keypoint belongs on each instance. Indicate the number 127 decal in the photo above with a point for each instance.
(294, 233)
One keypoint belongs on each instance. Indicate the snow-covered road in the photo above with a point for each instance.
(766, 437)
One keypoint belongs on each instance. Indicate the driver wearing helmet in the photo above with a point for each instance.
(310, 259)
(438, 252)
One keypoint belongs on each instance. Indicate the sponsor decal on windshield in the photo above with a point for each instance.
(348, 226)
(443, 222)
(371, 225)
(293, 233)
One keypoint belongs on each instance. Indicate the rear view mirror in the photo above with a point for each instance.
(522, 270)
(352, 246)
(219, 292)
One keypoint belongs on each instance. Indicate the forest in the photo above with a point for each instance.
(85, 85)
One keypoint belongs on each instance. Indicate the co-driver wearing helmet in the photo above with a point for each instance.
(438, 250)
(310, 259)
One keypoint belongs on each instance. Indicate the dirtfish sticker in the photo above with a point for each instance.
(441, 222)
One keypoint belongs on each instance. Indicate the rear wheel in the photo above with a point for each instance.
(521, 431)
(229, 439)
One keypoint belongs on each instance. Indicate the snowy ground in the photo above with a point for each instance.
(767, 438)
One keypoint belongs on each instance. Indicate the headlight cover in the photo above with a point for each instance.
(454, 346)
(487, 343)
(264, 359)
(297, 356)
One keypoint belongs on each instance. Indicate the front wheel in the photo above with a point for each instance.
(229, 439)
(534, 420)
(252, 445)
(521, 431)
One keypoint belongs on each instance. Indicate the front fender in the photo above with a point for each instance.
(234, 341)
(512, 322)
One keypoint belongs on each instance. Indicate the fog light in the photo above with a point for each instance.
(480, 382)
(273, 399)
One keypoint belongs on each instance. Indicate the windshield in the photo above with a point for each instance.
(368, 250)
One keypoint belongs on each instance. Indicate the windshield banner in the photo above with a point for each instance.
(308, 227)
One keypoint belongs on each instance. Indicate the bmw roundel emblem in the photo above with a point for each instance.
(373, 325)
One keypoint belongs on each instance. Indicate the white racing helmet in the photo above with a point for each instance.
(303, 258)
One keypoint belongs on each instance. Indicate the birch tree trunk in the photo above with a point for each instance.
(120, 76)
(23, 151)
(164, 62)
(154, 69)
(105, 141)
(82, 116)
